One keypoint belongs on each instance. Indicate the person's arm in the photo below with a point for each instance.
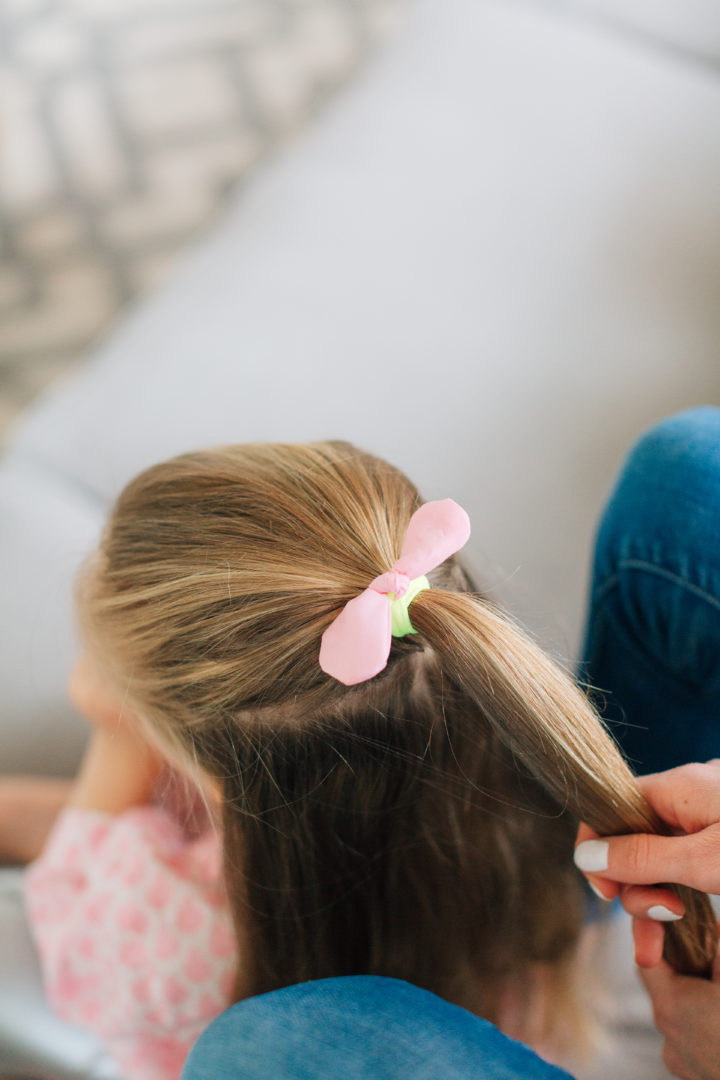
(119, 770)
(29, 806)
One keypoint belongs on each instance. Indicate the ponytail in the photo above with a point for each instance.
(547, 723)
(418, 825)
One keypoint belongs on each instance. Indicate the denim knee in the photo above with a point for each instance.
(666, 502)
(656, 573)
(684, 447)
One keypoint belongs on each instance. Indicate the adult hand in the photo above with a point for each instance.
(688, 799)
(687, 1012)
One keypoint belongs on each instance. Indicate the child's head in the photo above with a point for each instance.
(418, 825)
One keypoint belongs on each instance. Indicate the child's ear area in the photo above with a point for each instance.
(92, 698)
(216, 791)
(212, 788)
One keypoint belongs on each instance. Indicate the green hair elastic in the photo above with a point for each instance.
(400, 625)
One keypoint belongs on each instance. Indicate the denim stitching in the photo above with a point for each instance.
(659, 571)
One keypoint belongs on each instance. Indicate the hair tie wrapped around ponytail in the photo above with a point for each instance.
(356, 645)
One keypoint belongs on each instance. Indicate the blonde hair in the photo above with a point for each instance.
(419, 825)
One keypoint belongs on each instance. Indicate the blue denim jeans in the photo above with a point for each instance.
(652, 644)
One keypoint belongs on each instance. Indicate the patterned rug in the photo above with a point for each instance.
(126, 126)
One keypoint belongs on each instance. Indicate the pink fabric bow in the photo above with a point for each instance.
(356, 645)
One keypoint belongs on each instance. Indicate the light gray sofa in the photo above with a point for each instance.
(493, 260)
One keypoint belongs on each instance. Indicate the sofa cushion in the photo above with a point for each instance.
(47, 524)
(490, 261)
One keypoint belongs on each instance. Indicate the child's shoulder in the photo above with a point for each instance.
(127, 909)
(130, 845)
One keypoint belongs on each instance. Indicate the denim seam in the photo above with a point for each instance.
(659, 571)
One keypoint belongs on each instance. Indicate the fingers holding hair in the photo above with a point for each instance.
(688, 799)
(645, 859)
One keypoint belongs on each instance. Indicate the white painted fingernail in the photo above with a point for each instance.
(662, 914)
(592, 856)
(597, 892)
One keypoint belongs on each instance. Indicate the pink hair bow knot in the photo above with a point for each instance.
(356, 645)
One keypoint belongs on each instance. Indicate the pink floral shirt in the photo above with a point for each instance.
(134, 934)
